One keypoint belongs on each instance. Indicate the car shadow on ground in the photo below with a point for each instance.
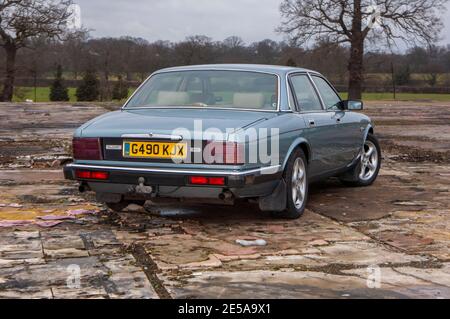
(240, 211)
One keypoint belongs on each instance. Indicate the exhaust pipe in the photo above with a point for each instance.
(83, 188)
(226, 196)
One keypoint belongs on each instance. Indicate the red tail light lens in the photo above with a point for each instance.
(216, 180)
(99, 175)
(92, 175)
(83, 174)
(202, 180)
(87, 149)
(198, 180)
(230, 153)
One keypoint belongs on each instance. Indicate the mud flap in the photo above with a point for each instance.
(277, 201)
(351, 175)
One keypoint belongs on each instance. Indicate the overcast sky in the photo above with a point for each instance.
(173, 20)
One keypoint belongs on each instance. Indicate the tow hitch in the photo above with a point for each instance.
(141, 188)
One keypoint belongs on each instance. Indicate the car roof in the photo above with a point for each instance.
(276, 69)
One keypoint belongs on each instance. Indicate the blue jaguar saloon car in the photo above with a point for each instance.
(226, 133)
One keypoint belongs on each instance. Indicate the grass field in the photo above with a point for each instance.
(42, 95)
(403, 96)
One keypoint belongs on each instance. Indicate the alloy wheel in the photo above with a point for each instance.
(298, 183)
(369, 161)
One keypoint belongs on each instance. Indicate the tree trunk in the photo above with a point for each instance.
(8, 84)
(355, 68)
(355, 64)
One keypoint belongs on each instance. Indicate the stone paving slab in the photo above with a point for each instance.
(187, 247)
(413, 282)
(273, 284)
(107, 276)
(400, 225)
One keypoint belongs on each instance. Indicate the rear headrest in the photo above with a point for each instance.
(170, 98)
(249, 100)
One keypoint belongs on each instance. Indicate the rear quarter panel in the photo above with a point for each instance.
(290, 128)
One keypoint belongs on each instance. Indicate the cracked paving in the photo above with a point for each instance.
(399, 227)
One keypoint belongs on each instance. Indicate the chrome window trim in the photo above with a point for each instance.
(206, 107)
(329, 83)
(307, 73)
(200, 108)
(289, 94)
(274, 168)
(317, 91)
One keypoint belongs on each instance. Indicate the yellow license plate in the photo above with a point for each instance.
(160, 150)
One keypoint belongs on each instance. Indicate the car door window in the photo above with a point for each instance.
(329, 96)
(194, 85)
(305, 93)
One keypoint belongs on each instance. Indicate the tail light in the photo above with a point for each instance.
(92, 175)
(198, 180)
(87, 149)
(202, 180)
(216, 180)
(230, 153)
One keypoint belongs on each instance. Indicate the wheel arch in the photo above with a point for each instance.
(301, 143)
(368, 130)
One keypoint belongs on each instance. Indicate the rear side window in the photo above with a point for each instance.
(329, 96)
(307, 98)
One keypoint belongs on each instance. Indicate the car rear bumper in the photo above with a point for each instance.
(179, 177)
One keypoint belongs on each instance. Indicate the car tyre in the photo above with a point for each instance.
(297, 186)
(366, 171)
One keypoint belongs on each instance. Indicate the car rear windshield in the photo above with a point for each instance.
(215, 89)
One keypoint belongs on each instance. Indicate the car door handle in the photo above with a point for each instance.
(311, 122)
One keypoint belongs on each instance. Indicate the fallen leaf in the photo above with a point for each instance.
(48, 223)
(77, 212)
(55, 217)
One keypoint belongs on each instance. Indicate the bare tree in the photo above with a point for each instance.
(351, 21)
(266, 51)
(74, 52)
(233, 42)
(21, 20)
(233, 50)
(197, 49)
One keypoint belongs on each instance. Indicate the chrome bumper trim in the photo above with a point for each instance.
(274, 169)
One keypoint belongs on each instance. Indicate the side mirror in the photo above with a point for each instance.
(351, 105)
